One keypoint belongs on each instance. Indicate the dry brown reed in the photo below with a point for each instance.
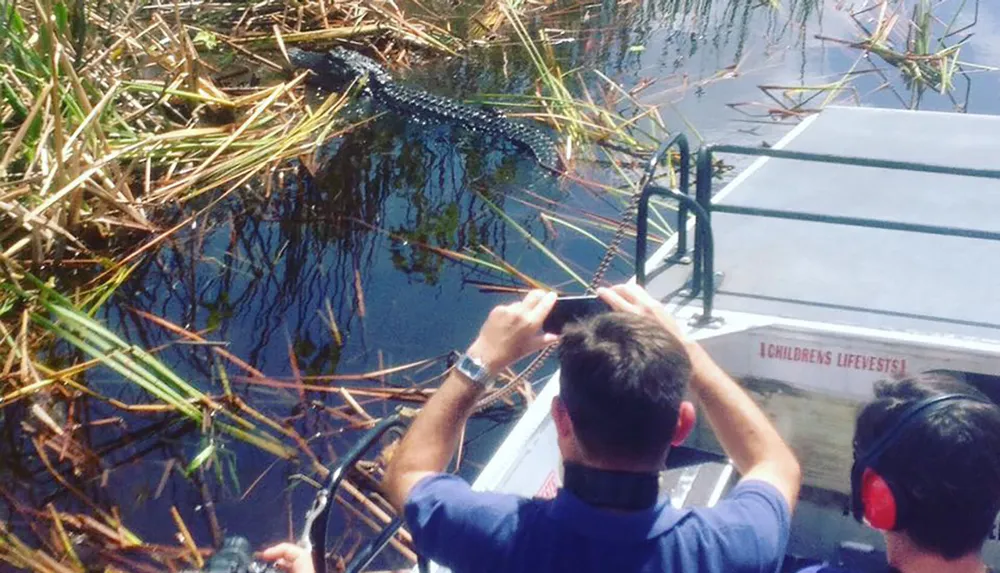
(108, 119)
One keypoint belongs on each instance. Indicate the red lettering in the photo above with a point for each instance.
(849, 360)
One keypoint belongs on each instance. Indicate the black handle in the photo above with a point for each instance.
(318, 516)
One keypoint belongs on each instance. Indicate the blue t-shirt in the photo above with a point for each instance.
(480, 532)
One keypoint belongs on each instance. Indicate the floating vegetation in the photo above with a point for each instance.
(911, 46)
(924, 48)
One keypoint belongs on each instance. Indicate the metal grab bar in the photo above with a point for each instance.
(704, 248)
(364, 556)
(703, 262)
(860, 222)
(848, 160)
(703, 237)
(317, 518)
(681, 142)
(703, 191)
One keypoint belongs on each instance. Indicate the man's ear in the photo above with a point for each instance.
(564, 427)
(685, 423)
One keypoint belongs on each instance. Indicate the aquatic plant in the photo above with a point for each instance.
(921, 43)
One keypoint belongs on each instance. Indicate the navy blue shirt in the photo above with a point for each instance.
(480, 532)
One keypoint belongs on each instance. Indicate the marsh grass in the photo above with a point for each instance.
(110, 114)
(908, 48)
(51, 403)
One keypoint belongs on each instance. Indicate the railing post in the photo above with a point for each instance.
(641, 229)
(681, 253)
(703, 194)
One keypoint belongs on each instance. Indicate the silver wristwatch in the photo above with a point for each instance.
(474, 369)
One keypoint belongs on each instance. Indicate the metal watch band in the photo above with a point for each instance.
(474, 369)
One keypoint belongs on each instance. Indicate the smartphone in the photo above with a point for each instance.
(571, 309)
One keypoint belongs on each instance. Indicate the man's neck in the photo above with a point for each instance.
(905, 557)
(614, 490)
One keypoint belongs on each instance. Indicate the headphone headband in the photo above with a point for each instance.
(914, 412)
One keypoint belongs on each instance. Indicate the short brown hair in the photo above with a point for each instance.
(623, 379)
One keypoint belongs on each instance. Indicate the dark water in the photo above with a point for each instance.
(264, 272)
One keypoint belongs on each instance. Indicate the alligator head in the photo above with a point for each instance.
(337, 68)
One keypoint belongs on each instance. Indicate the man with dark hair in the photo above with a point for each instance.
(623, 378)
(927, 472)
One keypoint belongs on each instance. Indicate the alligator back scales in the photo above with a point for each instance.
(337, 68)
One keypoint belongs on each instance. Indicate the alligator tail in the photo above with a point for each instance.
(536, 143)
(484, 120)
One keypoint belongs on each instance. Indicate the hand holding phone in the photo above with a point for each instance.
(572, 309)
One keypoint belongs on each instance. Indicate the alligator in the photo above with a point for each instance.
(339, 67)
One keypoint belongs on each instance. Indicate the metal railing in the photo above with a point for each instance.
(703, 254)
(642, 215)
(704, 247)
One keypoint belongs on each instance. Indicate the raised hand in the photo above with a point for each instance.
(633, 298)
(513, 331)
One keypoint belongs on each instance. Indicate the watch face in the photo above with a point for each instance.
(472, 368)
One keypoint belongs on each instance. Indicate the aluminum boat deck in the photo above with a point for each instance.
(866, 277)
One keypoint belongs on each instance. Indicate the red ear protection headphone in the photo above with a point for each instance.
(874, 498)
